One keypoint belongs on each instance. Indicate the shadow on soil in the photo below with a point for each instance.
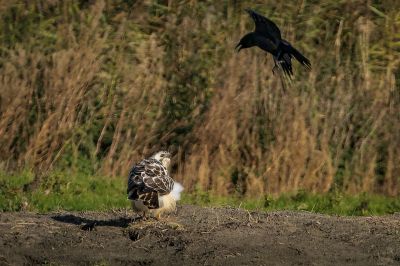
(90, 224)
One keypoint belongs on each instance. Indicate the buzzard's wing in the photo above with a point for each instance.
(265, 26)
(147, 181)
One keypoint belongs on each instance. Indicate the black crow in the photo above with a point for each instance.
(267, 36)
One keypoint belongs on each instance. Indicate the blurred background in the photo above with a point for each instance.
(88, 88)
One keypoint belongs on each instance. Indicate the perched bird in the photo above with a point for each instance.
(267, 36)
(150, 188)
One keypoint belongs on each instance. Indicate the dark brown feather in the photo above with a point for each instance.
(147, 181)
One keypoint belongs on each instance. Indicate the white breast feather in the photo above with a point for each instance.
(176, 191)
(168, 202)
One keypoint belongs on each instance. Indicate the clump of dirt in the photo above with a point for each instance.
(198, 236)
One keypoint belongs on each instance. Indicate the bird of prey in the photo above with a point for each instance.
(150, 188)
(267, 36)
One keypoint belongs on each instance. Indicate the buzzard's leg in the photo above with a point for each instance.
(144, 216)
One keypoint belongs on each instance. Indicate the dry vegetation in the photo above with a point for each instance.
(93, 86)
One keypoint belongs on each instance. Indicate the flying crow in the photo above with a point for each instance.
(267, 36)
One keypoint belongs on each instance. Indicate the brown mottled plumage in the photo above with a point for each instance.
(150, 186)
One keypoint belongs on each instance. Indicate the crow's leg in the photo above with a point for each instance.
(275, 66)
(279, 54)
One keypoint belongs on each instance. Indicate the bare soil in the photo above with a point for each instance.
(198, 236)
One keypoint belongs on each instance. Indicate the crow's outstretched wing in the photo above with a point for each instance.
(265, 26)
(147, 180)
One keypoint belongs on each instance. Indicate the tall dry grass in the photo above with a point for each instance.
(95, 86)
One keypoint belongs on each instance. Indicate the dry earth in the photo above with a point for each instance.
(198, 236)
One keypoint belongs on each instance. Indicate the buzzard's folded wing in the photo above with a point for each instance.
(147, 181)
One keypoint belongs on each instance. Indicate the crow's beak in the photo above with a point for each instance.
(238, 47)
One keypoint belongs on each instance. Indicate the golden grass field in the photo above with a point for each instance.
(94, 86)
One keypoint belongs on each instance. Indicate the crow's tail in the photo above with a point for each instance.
(301, 58)
(284, 58)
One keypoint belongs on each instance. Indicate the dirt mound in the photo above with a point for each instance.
(198, 236)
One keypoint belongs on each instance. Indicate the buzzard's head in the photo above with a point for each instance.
(164, 157)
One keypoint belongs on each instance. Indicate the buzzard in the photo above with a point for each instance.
(267, 36)
(150, 188)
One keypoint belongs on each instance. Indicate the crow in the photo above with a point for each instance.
(267, 36)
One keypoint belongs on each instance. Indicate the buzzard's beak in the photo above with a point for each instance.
(238, 47)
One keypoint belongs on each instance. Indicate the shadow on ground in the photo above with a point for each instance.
(90, 224)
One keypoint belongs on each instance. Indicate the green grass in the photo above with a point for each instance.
(73, 192)
(334, 203)
(62, 191)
